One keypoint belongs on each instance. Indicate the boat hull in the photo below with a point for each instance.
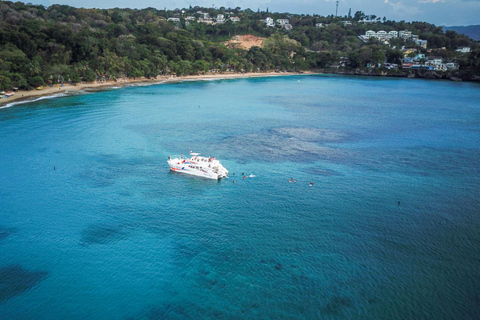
(194, 172)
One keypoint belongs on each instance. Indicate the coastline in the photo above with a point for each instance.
(23, 96)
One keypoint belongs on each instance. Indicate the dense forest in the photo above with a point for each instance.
(41, 46)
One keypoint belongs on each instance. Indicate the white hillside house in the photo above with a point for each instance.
(269, 22)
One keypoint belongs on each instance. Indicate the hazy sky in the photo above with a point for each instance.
(439, 12)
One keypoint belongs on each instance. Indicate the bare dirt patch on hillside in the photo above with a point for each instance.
(245, 42)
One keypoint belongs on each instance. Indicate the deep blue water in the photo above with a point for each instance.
(94, 226)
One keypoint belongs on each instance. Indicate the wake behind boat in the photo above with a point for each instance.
(196, 165)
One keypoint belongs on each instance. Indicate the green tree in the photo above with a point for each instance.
(36, 81)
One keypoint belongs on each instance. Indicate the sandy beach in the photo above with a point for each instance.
(31, 95)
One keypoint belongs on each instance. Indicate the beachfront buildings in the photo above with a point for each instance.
(433, 63)
(235, 19)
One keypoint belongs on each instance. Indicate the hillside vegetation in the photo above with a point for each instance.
(40, 46)
(470, 31)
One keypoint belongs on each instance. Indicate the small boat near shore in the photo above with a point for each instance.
(196, 165)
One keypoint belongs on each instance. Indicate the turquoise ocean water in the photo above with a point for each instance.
(94, 226)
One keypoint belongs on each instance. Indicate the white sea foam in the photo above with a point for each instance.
(252, 176)
(58, 95)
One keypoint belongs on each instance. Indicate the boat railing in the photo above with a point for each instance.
(194, 158)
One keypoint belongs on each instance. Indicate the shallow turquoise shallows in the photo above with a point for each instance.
(93, 225)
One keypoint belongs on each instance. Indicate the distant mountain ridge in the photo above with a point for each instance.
(470, 31)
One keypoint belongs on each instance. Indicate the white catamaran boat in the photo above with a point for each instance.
(197, 165)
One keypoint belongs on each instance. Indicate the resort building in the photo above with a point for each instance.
(282, 22)
(175, 20)
(205, 20)
(235, 19)
(368, 21)
(381, 34)
(422, 43)
(405, 34)
(463, 49)
(392, 34)
(434, 60)
(419, 57)
(385, 37)
(269, 22)
(203, 15)
(370, 34)
(220, 18)
(452, 66)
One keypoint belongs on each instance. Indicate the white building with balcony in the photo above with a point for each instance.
(269, 22)
(405, 34)
(282, 22)
(220, 18)
(370, 34)
(463, 50)
(392, 34)
(381, 34)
